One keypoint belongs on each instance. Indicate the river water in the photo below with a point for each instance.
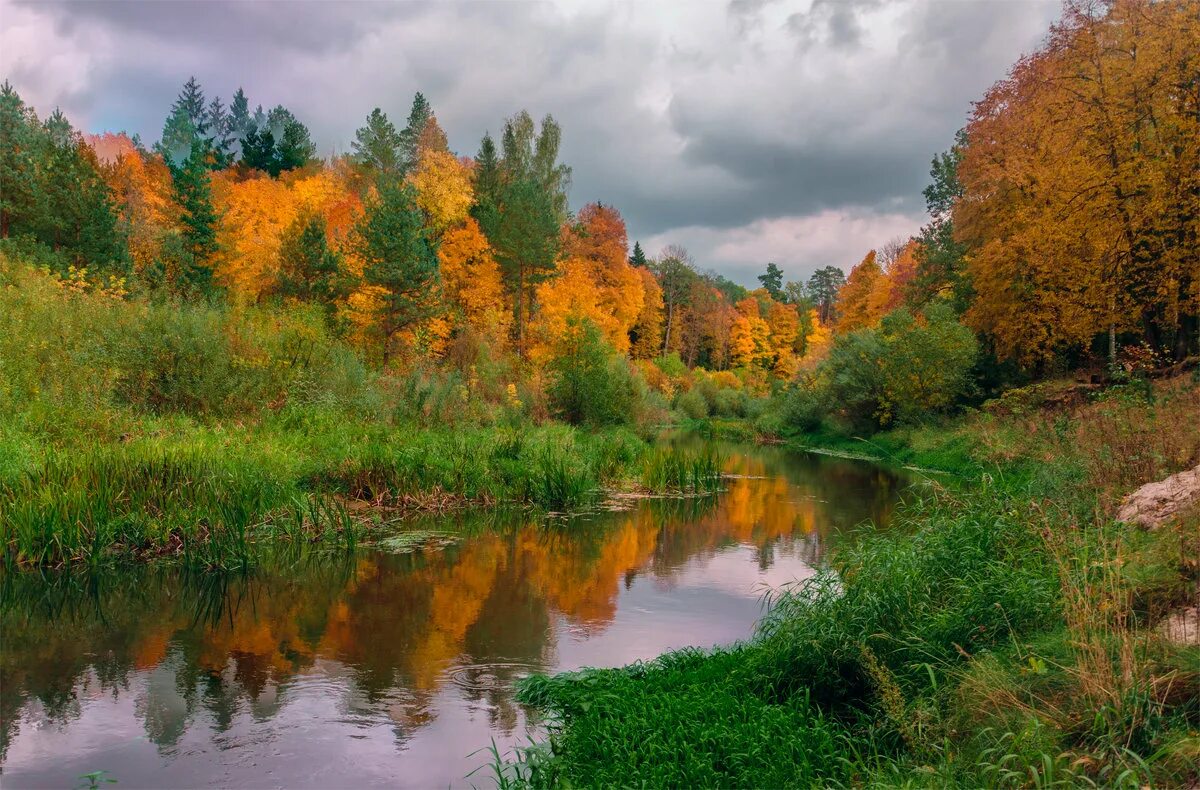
(396, 668)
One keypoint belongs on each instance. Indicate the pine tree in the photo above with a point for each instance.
(526, 239)
(410, 136)
(220, 134)
(391, 241)
(376, 146)
(638, 258)
(772, 281)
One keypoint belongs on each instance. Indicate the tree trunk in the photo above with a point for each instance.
(667, 333)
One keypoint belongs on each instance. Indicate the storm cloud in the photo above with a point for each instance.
(752, 130)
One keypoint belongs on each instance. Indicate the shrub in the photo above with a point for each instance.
(590, 384)
(902, 370)
(692, 404)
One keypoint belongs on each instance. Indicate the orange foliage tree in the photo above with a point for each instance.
(1080, 179)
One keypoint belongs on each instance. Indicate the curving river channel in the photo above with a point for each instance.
(392, 668)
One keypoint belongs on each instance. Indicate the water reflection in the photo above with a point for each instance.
(386, 668)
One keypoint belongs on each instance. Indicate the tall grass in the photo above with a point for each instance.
(675, 470)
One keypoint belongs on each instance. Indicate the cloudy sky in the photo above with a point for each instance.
(794, 131)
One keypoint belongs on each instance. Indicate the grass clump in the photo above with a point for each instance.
(679, 471)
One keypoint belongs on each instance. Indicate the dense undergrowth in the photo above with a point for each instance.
(1002, 636)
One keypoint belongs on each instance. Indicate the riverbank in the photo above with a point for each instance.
(1004, 635)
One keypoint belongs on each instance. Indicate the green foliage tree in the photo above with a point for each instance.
(377, 146)
(823, 288)
(772, 281)
(418, 115)
(192, 193)
(52, 194)
(398, 255)
(526, 239)
(941, 260)
(310, 270)
(590, 383)
(187, 122)
(638, 257)
(901, 371)
(676, 276)
(277, 143)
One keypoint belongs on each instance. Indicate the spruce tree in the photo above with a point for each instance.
(220, 134)
(309, 269)
(488, 183)
(240, 122)
(397, 254)
(638, 258)
(193, 195)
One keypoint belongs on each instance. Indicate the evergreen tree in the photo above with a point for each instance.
(772, 281)
(18, 178)
(309, 268)
(376, 146)
(258, 149)
(186, 123)
(220, 133)
(488, 183)
(410, 136)
(526, 240)
(52, 195)
(638, 258)
(278, 142)
(193, 195)
(941, 261)
(394, 246)
(240, 122)
(823, 288)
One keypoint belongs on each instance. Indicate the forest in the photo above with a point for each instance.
(224, 341)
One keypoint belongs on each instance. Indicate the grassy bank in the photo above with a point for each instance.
(1005, 635)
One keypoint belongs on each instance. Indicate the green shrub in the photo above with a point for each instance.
(692, 404)
(900, 371)
(590, 384)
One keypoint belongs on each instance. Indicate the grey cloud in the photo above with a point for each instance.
(763, 110)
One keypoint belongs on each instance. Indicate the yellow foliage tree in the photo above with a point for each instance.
(471, 282)
(444, 191)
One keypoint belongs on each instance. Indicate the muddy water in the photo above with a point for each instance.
(391, 669)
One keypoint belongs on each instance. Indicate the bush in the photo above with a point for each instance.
(902, 370)
(693, 405)
(590, 384)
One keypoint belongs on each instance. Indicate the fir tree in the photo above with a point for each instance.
(193, 195)
(638, 258)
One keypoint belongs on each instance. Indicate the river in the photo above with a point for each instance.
(396, 668)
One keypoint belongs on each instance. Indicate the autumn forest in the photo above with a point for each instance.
(225, 352)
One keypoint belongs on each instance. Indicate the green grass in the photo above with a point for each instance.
(680, 471)
(212, 493)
